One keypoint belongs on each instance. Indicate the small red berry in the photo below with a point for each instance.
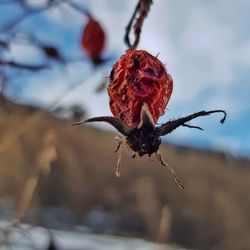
(93, 39)
(137, 78)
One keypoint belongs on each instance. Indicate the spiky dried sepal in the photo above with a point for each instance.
(168, 127)
(115, 122)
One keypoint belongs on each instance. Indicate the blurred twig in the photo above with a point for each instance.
(4, 45)
(28, 12)
(141, 9)
(22, 66)
(50, 51)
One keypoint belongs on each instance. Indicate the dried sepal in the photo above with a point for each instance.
(115, 122)
(191, 126)
(168, 127)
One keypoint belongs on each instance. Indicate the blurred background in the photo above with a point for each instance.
(63, 178)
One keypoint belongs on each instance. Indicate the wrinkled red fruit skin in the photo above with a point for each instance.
(138, 77)
(93, 39)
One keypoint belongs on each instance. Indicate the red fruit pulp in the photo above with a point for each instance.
(93, 39)
(138, 77)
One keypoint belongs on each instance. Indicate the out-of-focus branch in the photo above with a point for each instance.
(23, 66)
(26, 14)
(50, 51)
(28, 11)
(141, 10)
(4, 44)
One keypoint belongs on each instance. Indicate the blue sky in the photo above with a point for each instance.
(205, 44)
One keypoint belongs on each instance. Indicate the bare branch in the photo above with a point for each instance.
(142, 9)
(26, 14)
(23, 66)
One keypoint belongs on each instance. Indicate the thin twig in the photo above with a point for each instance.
(23, 66)
(29, 11)
(141, 9)
(26, 14)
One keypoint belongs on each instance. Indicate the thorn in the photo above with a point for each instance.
(191, 126)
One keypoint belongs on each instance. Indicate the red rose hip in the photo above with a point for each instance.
(93, 39)
(139, 91)
(136, 78)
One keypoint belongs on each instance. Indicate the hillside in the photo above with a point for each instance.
(78, 166)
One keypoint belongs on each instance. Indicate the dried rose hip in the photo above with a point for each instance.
(93, 39)
(137, 78)
(139, 91)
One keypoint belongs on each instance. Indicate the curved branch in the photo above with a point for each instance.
(142, 9)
